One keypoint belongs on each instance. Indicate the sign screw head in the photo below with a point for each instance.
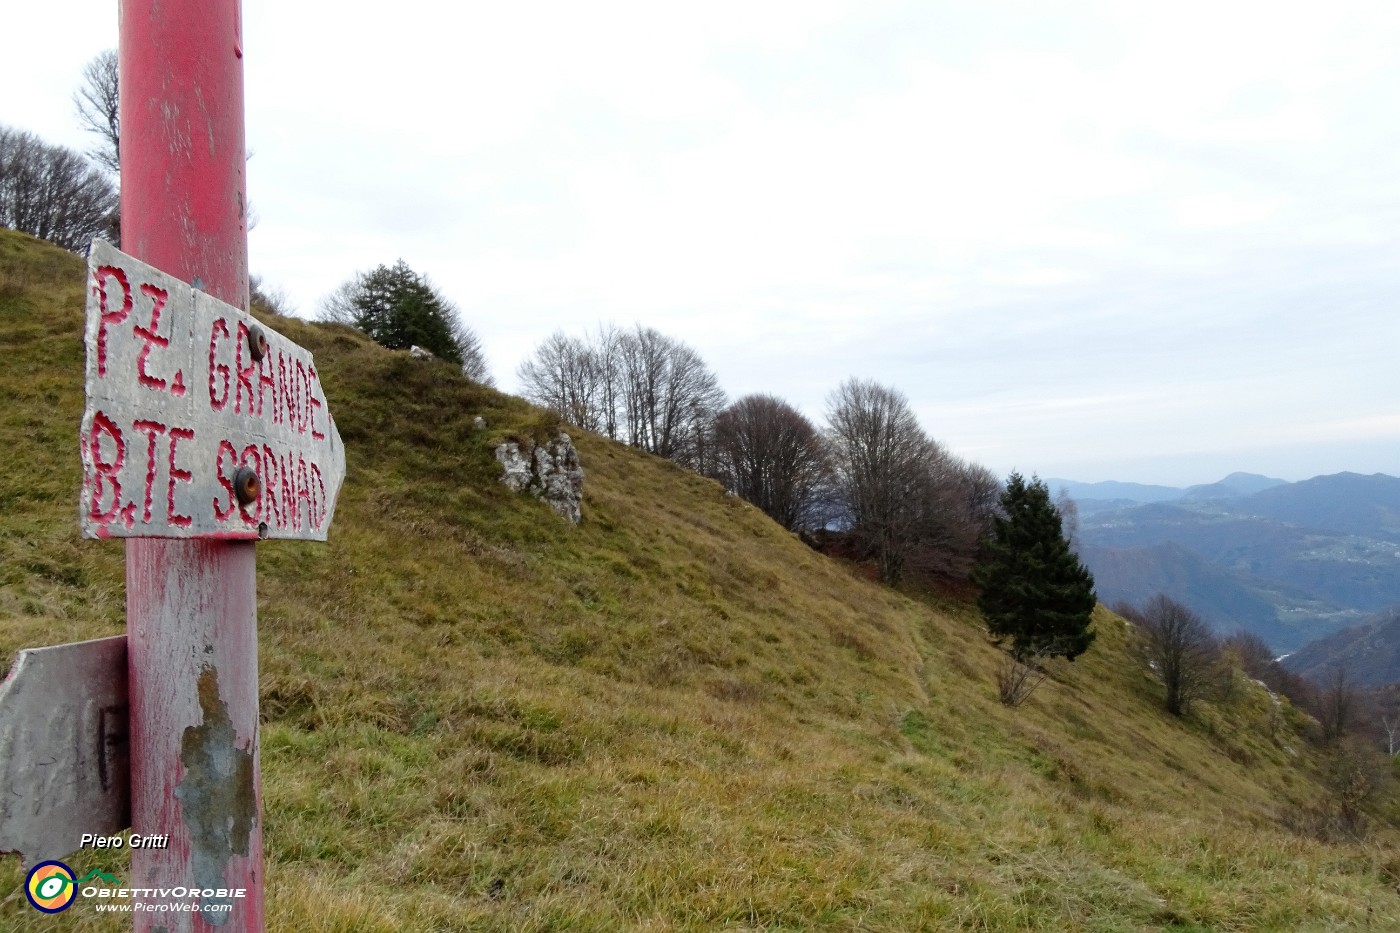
(246, 485)
(257, 344)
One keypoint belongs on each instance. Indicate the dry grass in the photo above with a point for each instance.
(673, 717)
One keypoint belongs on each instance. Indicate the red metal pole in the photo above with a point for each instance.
(191, 605)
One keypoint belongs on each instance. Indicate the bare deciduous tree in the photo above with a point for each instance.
(1338, 703)
(97, 100)
(566, 374)
(52, 192)
(637, 386)
(1069, 517)
(772, 456)
(273, 298)
(1179, 646)
(669, 397)
(880, 460)
(955, 511)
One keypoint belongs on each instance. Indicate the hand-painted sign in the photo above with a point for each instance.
(200, 422)
(64, 758)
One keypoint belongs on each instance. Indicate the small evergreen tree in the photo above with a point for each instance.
(1035, 591)
(401, 309)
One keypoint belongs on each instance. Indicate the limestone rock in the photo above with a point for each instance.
(551, 471)
(518, 475)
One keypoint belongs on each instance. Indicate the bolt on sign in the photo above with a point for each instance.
(200, 421)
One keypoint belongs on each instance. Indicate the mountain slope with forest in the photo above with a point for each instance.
(1290, 562)
(672, 716)
(1369, 652)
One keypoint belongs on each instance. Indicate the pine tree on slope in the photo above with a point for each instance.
(1035, 591)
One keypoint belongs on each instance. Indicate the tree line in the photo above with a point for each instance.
(56, 193)
(898, 496)
(53, 192)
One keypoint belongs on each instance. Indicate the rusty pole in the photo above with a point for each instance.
(191, 605)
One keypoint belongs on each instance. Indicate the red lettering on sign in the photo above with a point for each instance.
(244, 374)
(151, 429)
(281, 393)
(303, 386)
(315, 403)
(267, 380)
(320, 495)
(257, 467)
(272, 511)
(159, 297)
(225, 448)
(176, 436)
(109, 317)
(289, 496)
(106, 472)
(304, 491)
(218, 394)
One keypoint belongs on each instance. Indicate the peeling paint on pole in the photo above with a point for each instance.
(218, 794)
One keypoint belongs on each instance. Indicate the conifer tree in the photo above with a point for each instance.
(1035, 591)
(400, 309)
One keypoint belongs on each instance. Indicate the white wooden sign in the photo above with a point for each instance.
(64, 757)
(200, 421)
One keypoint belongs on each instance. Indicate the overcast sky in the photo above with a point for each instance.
(1117, 240)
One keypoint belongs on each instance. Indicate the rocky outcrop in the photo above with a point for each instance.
(551, 471)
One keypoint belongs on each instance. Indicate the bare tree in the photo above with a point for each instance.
(669, 396)
(1356, 776)
(52, 192)
(1179, 647)
(1069, 518)
(638, 386)
(271, 298)
(880, 460)
(565, 374)
(772, 456)
(955, 508)
(1338, 704)
(338, 306)
(1252, 654)
(98, 103)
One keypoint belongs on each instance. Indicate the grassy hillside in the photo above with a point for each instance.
(674, 716)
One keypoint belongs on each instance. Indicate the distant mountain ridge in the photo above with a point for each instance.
(1236, 484)
(1288, 561)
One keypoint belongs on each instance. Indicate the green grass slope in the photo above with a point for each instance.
(674, 716)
